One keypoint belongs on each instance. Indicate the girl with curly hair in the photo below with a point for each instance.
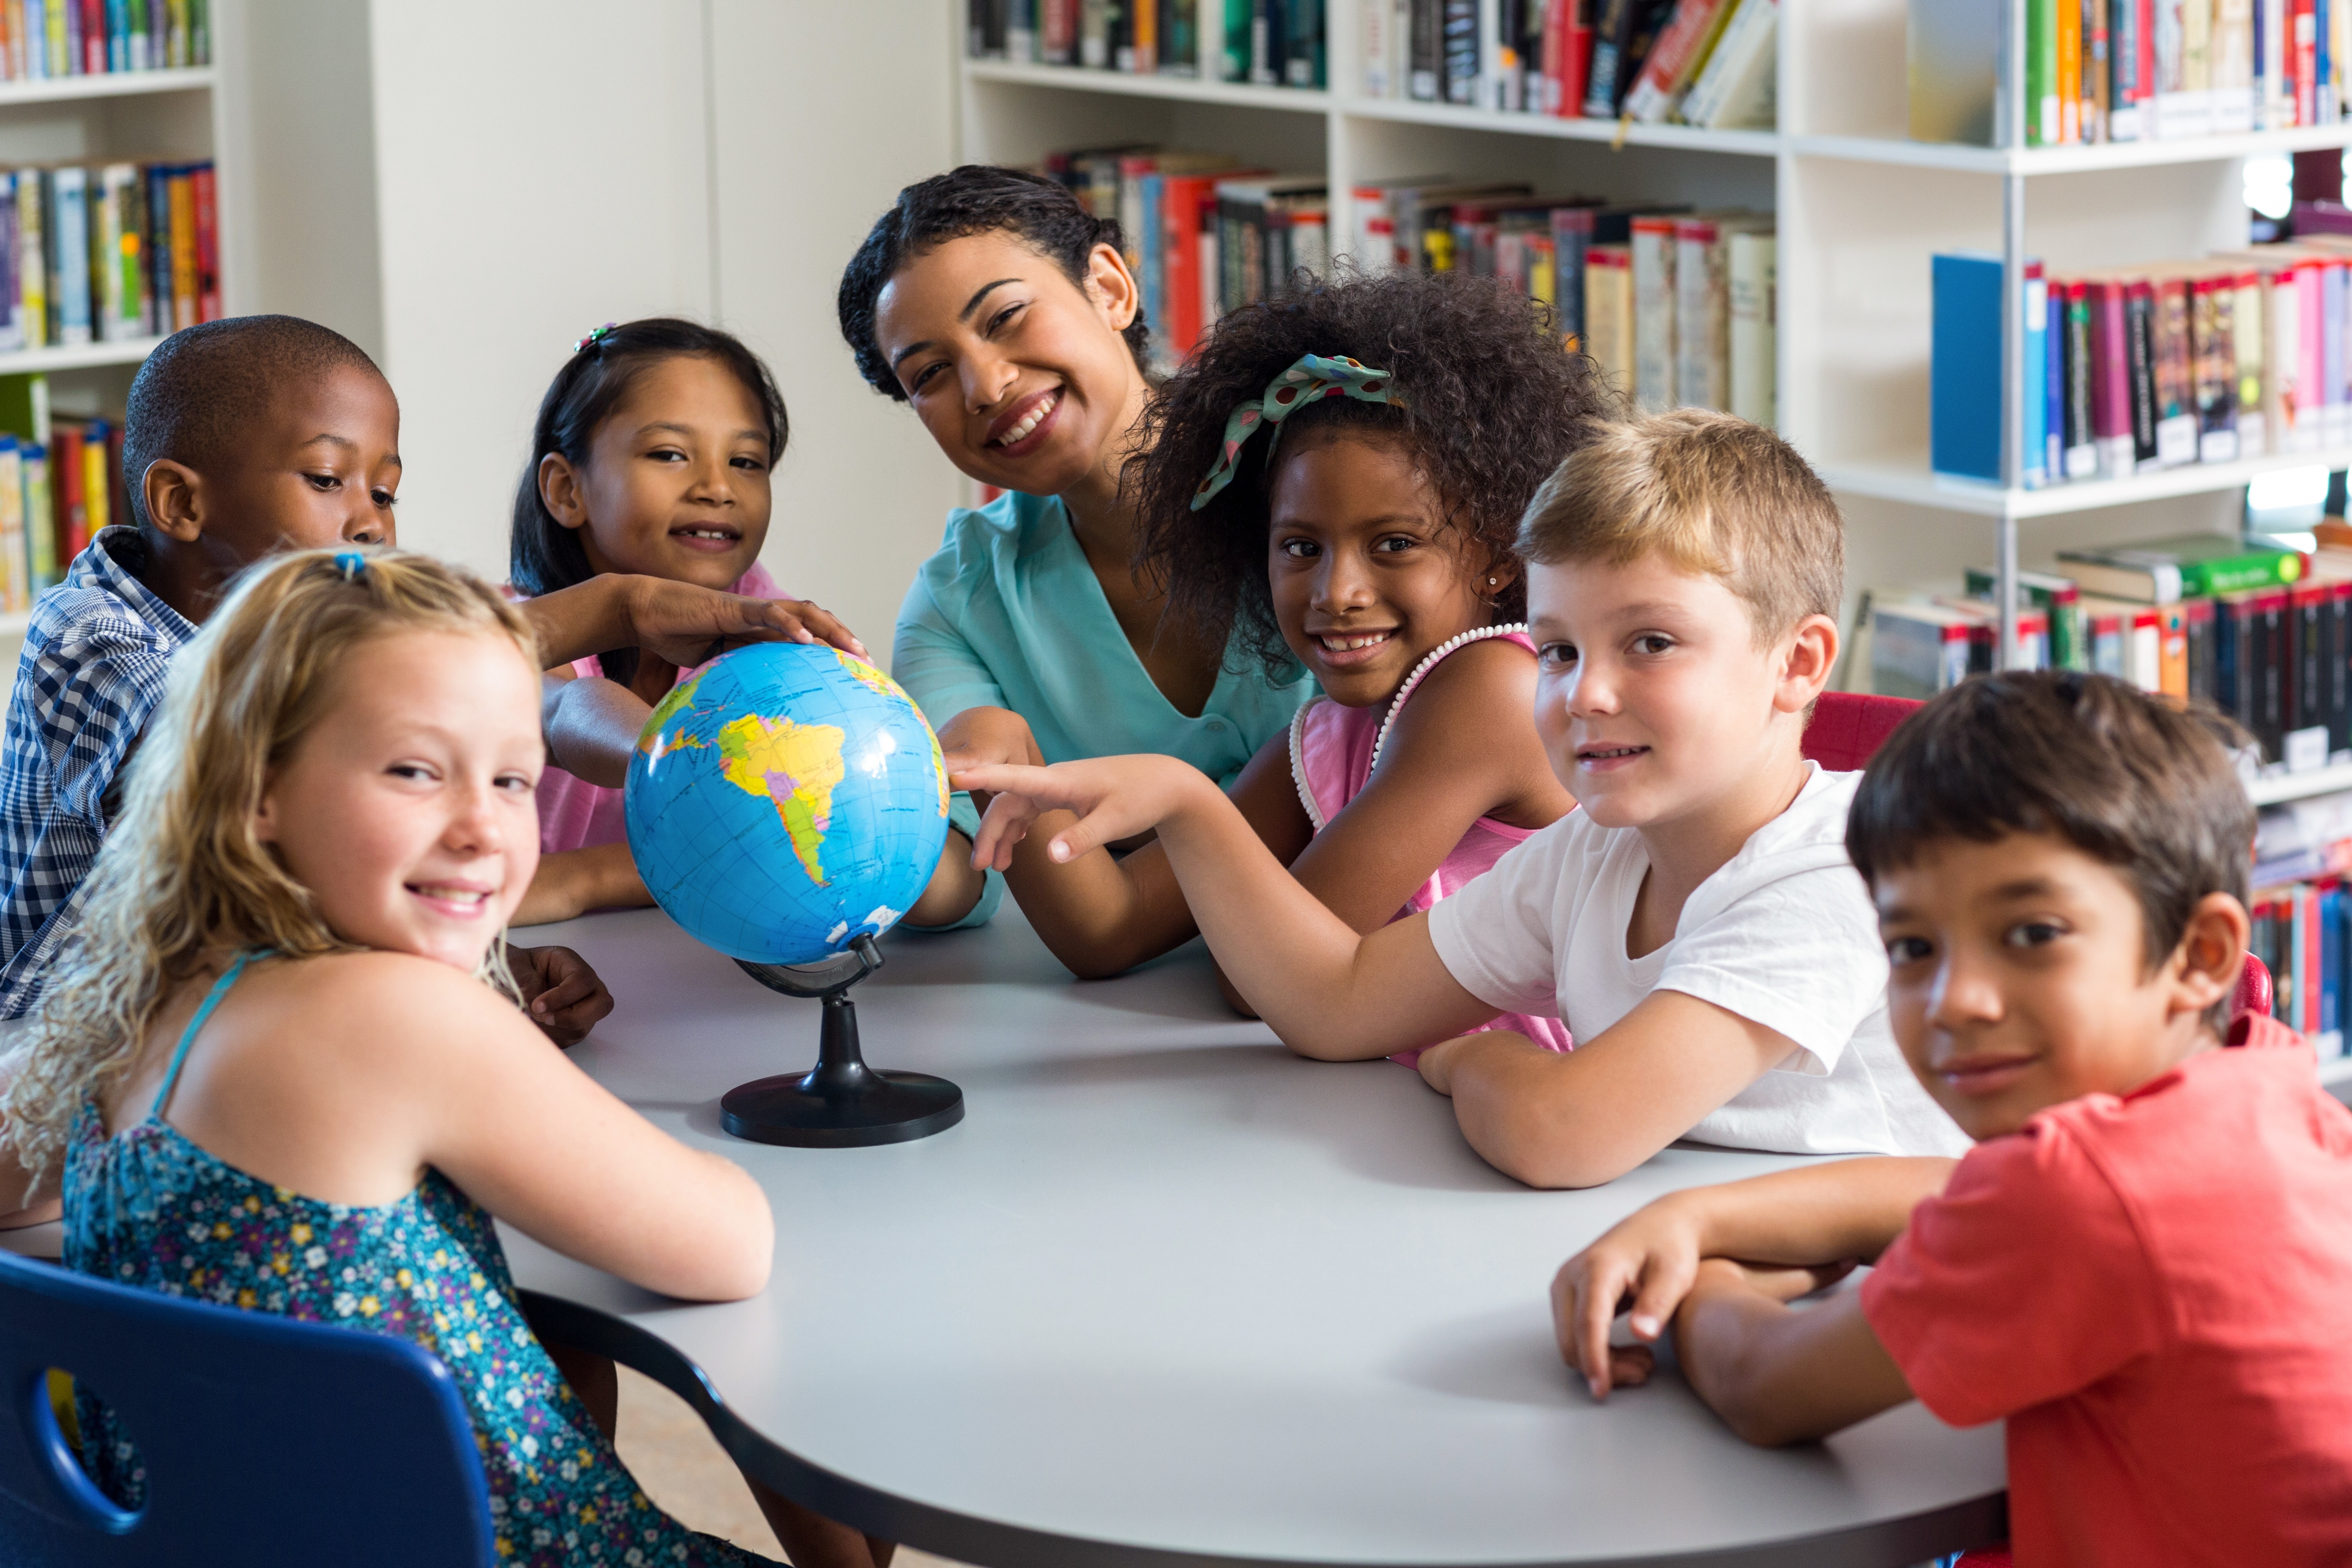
(1336, 481)
(1003, 312)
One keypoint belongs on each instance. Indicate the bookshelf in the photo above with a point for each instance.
(173, 114)
(1859, 206)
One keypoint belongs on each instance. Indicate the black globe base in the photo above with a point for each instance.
(840, 1103)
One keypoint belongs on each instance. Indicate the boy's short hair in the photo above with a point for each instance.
(191, 393)
(1713, 495)
(2129, 780)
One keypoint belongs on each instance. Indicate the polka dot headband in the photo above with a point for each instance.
(1313, 377)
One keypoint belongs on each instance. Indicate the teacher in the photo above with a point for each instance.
(1004, 312)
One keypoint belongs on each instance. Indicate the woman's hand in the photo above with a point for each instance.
(1115, 798)
(977, 737)
(689, 625)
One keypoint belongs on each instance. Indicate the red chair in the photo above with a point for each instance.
(1848, 726)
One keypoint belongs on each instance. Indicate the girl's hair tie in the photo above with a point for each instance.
(351, 564)
(595, 337)
(1313, 377)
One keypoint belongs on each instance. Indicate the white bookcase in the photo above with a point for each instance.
(142, 115)
(1860, 209)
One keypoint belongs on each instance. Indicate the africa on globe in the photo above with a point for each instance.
(785, 800)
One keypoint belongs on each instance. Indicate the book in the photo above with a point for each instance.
(1754, 350)
(2160, 571)
(1702, 305)
(1609, 313)
(1965, 396)
(2056, 596)
(1458, 53)
(1918, 649)
(1735, 86)
(1673, 59)
(1656, 350)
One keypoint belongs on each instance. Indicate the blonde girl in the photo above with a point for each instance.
(282, 1070)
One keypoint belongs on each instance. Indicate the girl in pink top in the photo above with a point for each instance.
(1334, 751)
(1335, 482)
(651, 456)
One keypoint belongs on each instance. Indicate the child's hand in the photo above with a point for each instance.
(689, 625)
(1645, 1262)
(1115, 797)
(564, 997)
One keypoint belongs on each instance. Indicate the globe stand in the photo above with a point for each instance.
(841, 1103)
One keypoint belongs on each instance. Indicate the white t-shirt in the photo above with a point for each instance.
(1782, 934)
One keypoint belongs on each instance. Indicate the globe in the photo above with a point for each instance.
(785, 800)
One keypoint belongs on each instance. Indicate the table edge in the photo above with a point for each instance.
(1980, 1521)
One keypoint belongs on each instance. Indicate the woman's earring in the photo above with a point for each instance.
(1490, 581)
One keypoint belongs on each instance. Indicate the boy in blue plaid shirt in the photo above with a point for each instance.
(243, 437)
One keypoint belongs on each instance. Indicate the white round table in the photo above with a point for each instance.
(1172, 1295)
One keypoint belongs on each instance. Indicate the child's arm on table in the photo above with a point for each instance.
(1591, 1115)
(435, 1069)
(570, 882)
(677, 621)
(1329, 990)
(1842, 1212)
(1453, 757)
(1778, 1374)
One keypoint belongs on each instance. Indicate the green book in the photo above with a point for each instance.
(2193, 566)
(24, 409)
(2041, 72)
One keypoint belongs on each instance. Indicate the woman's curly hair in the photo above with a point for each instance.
(1492, 403)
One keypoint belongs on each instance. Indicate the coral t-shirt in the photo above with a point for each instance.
(2155, 1290)
(576, 814)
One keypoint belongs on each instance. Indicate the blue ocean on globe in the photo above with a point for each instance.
(785, 800)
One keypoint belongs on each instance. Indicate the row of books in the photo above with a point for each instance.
(2124, 70)
(2130, 370)
(2261, 630)
(42, 38)
(60, 482)
(1676, 305)
(2302, 919)
(1271, 43)
(107, 254)
(2301, 932)
(1693, 62)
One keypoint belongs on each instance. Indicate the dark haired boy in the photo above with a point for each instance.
(243, 437)
(2144, 1264)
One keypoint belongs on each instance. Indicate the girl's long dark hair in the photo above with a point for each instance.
(542, 555)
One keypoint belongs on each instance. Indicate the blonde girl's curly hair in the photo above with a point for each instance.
(182, 879)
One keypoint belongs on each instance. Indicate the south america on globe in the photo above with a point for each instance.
(785, 800)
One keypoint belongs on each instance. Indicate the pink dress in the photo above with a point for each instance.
(576, 814)
(1333, 751)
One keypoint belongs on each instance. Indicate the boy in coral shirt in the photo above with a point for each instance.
(2145, 1264)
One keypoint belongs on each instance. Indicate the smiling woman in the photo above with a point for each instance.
(991, 303)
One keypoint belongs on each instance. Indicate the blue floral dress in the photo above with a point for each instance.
(150, 1209)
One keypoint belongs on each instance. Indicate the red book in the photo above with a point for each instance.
(208, 280)
(2111, 389)
(93, 38)
(66, 493)
(1572, 22)
(1181, 198)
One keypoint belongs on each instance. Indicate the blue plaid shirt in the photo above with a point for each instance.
(92, 673)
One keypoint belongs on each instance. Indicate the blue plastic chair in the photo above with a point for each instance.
(265, 1441)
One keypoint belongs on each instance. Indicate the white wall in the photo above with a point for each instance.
(535, 167)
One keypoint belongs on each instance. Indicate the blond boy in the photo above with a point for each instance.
(1697, 924)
